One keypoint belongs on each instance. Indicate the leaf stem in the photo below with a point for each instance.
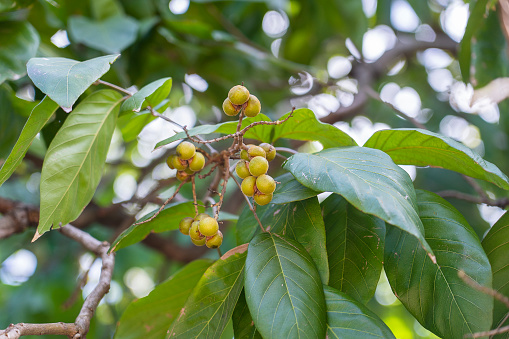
(118, 88)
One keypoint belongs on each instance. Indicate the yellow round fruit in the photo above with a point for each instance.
(182, 176)
(263, 199)
(201, 216)
(189, 171)
(186, 150)
(258, 166)
(185, 225)
(177, 164)
(242, 169)
(194, 231)
(265, 184)
(215, 241)
(256, 151)
(248, 186)
(253, 107)
(229, 108)
(197, 162)
(170, 160)
(269, 150)
(208, 227)
(238, 95)
(199, 242)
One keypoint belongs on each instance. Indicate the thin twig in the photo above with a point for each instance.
(475, 186)
(488, 333)
(502, 203)
(193, 181)
(118, 88)
(226, 176)
(249, 204)
(486, 290)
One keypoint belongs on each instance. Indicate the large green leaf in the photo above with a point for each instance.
(496, 245)
(210, 306)
(38, 118)
(300, 220)
(64, 80)
(424, 148)
(167, 220)
(289, 190)
(75, 159)
(367, 179)
(243, 325)
(347, 318)
(151, 316)
(151, 95)
(284, 292)
(434, 293)
(18, 43)
(355, 246)
(111, 35)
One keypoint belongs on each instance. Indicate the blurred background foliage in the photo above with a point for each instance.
(302, 53)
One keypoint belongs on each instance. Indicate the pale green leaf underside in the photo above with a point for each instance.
(38, 118)
(424, 148)
(150, 95)
(75, 159)
(64, 80)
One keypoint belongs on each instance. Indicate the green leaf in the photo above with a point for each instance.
(367, 179)
(18, 43)
(433, 293)
(64, 80)
(424, 148)
(151, 95)
(150, 317)
(243, 326)
(355, 246)
(167, 220)
(348, 318)
(111, 35)
(38, 118)
(132, 123)
(290, 190)
(210, 306)
(75, 159)
(300, 221)
(103, 9)
(496, 245)
(283, 289)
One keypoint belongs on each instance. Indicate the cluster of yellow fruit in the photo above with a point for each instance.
(186, 161)
(253, 167)
(203, 230)
(238, 98)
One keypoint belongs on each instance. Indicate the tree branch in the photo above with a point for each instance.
(502, 203)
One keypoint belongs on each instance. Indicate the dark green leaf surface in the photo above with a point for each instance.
(301, 221)
(64, 80)
(355, 246)
(75, 159)
(18, 43)
(434, 293)
(210, 306)
(151, 95)
(424, 148)
(290, 190)
(367, 179)
(38, 118)
(167, 220)
(111, 35)
(347, 318)
(151, 316)
(243, 325)
(284, 292)
(496, 245)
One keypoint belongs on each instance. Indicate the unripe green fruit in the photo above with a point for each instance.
(201, 216)
(253, 107)
(248, 186)
(238, 95)
(256, 151)
(215, 241)
(186, 150)
(269, 150)
(265, 184)
(244, 155)
(208, 227)
(170, 160)
(182, 176)
(263, 199)
(229, 109)
(258, 166)
(242, 169)
(200, 242)
(177, 164)
(185, 225)
(194, 231)
(197, 162)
